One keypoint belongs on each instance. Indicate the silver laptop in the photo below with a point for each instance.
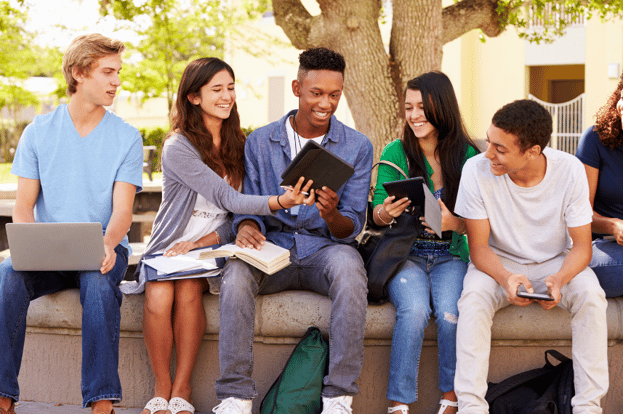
(56, 246)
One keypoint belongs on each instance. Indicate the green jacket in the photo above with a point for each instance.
(395, 153)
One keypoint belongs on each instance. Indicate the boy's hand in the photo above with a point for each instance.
(512, 284)
(327, 202)
(249, 235)
(554, 284)
(109, 259)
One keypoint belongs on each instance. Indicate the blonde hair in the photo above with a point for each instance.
(83, 52)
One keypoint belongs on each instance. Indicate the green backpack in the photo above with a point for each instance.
(298, 388)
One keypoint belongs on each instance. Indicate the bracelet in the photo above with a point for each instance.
(279, 202)
(378, 213)
(218, 237)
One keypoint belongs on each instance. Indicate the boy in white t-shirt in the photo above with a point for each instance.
(528, 220)
(79, 163)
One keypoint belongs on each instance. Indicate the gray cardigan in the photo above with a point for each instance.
(184, 175)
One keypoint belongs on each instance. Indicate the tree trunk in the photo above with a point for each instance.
(375, 79)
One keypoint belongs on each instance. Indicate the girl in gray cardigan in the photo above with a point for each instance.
(202, 166)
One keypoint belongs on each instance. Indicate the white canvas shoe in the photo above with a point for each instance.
(233, 405)
(337, 405)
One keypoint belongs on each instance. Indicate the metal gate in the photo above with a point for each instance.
(568, 122)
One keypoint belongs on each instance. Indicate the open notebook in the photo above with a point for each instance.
(182, 266)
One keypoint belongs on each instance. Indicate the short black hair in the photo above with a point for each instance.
(320, 58)
(528, 120)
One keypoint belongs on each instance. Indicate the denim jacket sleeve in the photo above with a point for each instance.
(354, 196)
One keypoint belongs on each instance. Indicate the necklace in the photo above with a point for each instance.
(297, 137)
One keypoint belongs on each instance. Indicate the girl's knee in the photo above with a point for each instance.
(158, 298)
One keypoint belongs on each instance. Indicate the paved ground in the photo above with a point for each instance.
(28, 407)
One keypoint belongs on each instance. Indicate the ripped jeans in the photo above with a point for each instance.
(420, 281)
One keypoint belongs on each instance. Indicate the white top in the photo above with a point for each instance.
(528, 224)
(206, 218)
(297, 142)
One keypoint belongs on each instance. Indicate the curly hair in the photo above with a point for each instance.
(188, 121)
(608, 122)
(320, 58)
(528, 120)
(441, 109)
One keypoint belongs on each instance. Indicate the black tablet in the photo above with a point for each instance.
(314, 162)
(411, 188)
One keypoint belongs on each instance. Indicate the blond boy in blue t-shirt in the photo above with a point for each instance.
(79, 163)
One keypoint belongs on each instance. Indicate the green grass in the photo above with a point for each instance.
(5, 173)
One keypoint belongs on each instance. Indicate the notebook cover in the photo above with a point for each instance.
(314, 162)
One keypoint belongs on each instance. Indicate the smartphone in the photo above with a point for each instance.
(540, 291)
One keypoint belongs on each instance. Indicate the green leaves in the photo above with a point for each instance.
(172, 33)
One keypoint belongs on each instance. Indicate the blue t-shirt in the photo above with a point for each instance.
(609, 161)
(77, 174)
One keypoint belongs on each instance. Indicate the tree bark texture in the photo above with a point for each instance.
(375, 77)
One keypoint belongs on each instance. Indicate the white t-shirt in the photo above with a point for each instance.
(296, 143)
(528, 224)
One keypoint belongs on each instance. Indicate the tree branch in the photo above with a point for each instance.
(295, 21)
(467, 15)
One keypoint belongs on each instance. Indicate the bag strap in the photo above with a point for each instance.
(391, 164)
(560, 357)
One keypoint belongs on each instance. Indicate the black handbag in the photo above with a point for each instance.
(385, 250)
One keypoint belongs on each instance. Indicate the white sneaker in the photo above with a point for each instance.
(233, 405)
(337, 405)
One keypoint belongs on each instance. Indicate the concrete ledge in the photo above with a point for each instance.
(520, 337)
(289, 314)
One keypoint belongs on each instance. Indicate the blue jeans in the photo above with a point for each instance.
(101, 301)
(336, 271)
(607, 263)
(420, 280)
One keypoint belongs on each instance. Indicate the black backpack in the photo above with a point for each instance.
(546, 390)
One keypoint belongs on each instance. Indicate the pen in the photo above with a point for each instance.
(289, 187)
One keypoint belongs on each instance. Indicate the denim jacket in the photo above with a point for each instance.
(267, 154)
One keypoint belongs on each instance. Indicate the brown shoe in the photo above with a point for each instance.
(11, 409)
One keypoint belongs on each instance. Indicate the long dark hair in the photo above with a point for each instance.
(188, 121)
(608, 122)
(442, 111)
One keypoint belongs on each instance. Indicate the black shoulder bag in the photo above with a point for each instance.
(385, 250)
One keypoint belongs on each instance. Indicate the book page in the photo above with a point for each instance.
(432, 211)
(180, 263)
(267, 255)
